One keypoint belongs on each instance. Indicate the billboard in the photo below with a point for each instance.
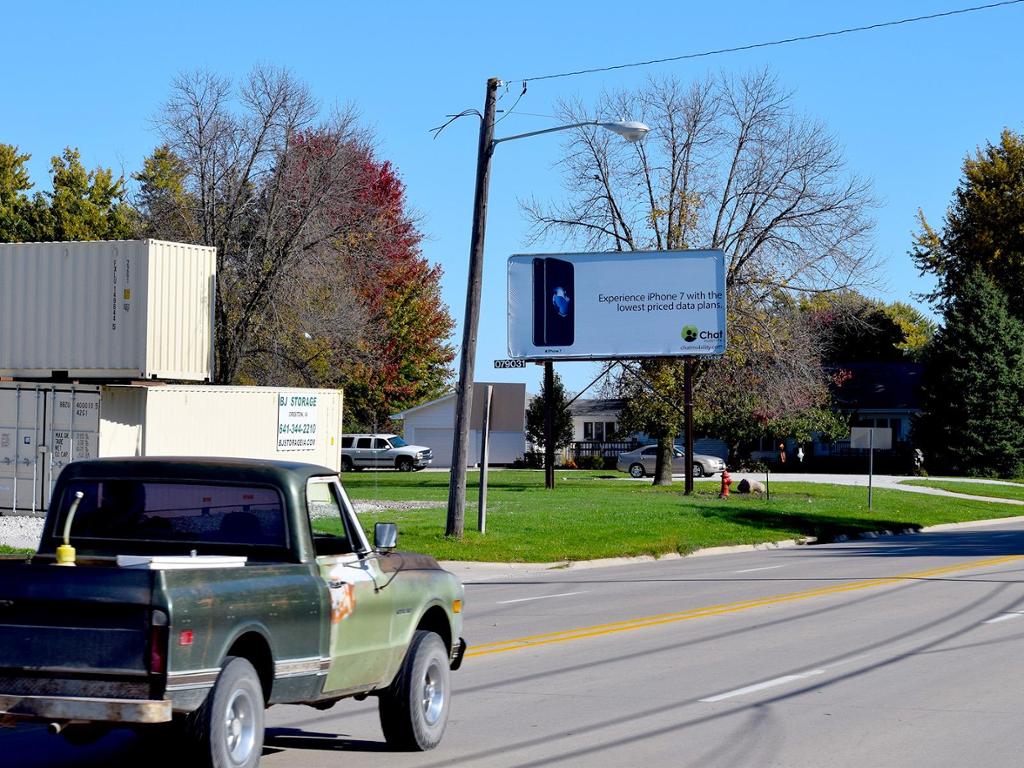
(601, 306)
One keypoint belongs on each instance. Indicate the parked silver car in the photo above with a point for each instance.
(641, 461)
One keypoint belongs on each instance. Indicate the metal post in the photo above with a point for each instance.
(871, 462)
(767, 493)
(481, 517)
(471, 320)
(549, 425)
(688, 418)
(35, 454)
(17, 447)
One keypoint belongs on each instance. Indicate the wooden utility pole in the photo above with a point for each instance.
(471, 320)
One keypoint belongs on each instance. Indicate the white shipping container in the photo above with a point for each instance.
(39, 434)
(113, 309)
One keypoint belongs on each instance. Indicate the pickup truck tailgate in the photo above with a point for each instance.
(82, 631)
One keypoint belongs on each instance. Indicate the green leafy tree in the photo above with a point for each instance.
(917, 328)
(84, 205)
(563, 417)
(983, 228)
(973, 387)
(855, 328)
(14, 202)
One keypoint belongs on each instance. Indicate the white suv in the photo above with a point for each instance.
(361, 451)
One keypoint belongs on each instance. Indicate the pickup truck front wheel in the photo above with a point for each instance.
(228, 728)
(414, 708)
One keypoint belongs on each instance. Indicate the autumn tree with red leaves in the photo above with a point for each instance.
(321, 281)
(401, 290)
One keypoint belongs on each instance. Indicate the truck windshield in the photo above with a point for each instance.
(141, 510)
(397, 442)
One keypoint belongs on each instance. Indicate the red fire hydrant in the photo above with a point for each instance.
(726, 482)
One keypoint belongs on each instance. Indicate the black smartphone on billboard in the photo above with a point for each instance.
(554, 303)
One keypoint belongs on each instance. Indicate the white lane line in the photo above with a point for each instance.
(539, 597)
(761, 686)
(898, 549)
(1005, 617)
(766, 568)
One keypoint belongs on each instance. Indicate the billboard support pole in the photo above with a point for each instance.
(549, 425)
(688, 419)
(871, 463)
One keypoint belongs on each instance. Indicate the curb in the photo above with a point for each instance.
(481, 571)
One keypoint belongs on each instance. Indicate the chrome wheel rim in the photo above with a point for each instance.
(432, 697)
(636, 471)
(240, 726)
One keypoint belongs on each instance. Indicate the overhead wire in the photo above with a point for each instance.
(784, 41)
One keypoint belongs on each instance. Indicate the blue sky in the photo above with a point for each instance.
(907, 103)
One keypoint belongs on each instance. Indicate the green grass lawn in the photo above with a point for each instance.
(991, 490)
(594, 514)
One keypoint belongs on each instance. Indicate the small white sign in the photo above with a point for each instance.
(297, 419)
(861, 437)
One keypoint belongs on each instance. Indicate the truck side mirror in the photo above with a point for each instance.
(385, 536)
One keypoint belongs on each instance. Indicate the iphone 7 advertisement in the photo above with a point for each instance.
(616, 305)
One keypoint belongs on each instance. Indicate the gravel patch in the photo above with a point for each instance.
(327, 510)
(381, 506)
(22, 532)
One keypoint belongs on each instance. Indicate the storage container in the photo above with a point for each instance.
(44, 426)
(114, 309)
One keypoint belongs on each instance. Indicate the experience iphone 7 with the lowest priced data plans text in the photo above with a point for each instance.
(554, 306)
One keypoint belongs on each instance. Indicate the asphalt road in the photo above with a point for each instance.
(902, 651)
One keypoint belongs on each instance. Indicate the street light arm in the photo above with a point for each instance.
(631, 131)
(546, 130)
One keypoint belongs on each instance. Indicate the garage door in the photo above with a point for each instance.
(439, 440)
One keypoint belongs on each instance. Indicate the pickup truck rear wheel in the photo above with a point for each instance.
(414, 708)
(228, 728)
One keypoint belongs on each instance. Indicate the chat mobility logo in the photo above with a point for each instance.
(690, 333)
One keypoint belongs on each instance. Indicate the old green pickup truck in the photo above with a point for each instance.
(195, 593)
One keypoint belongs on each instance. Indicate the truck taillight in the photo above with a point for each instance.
(158, 634)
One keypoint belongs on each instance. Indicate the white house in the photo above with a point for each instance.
(433, 424)
(597, 421)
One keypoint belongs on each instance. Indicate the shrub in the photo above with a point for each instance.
(591, 462)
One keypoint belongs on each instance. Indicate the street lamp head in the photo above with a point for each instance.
(630, 130)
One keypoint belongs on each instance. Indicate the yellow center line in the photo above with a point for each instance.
(628, 625)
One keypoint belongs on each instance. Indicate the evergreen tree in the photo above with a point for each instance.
(984, 227)
(563, 417)
(973, 388)
(84, 205)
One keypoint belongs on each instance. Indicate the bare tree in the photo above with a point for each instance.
(728, 164)
(266, 182)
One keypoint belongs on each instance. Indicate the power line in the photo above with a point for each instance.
(752, 46)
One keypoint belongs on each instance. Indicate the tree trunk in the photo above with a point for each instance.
(663, 467)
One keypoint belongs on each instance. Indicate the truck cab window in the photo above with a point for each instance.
(324, 507)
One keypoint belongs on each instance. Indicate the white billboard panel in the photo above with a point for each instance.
(609, 305)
